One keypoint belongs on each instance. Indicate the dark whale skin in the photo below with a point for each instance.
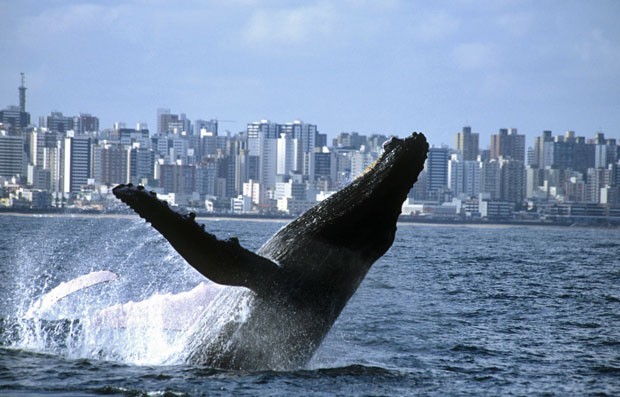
(297, 284)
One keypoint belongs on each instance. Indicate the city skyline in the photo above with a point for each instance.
(386, 68)
(185, 123)
(275, 168)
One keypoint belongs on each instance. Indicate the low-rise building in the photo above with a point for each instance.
(241, 205)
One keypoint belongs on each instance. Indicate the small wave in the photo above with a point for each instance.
(503, 296)
(611, 298)
(482, 374)
(113, 390)
(586, 325)
(609, 370)
(357, 370)
(605, 245)
(353, 370)
(484, 258)
(610, 342)
(473, 350)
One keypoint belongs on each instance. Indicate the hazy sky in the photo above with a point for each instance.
(387, 67)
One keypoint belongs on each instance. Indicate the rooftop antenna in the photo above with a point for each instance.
(22, 94)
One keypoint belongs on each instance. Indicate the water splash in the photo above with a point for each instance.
(157, 330)
(144, 317)
(47, 301)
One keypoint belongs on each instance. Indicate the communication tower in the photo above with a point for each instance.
(22, 94)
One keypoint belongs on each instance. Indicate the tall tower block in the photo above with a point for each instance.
(22, 94)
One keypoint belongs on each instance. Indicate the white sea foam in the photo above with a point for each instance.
(152, 331)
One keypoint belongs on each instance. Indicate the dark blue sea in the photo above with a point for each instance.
(448, 311)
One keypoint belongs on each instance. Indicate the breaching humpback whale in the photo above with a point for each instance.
(297, 284)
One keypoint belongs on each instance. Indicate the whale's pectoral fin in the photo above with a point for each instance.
(221, 261)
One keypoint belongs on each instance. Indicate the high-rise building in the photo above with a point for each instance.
(163, 118)
(437, 168)
(207, 143)
(111, 166)
(323, 165)
(76, 163)
(563, 152)
(14, 119)
(172, 148)
(541, 151)
(467, 144)
(11, 155)
(131, 137)
(209, 126)
(286, 153)
(168, 122)
(86, 123)
(534, 179)
(182, 126)
(179, 179)
(231, 155)
(49, 156)
(225, 182)
(57, 122)
(241, 165)
(351, 140)
(598, 178)
(262, 147)
(605, 151)
(584, 156)
(463, 176)
(508, 144)
(306, 137)
(575, 189)
(206, 176)
(141, 164)
(513, 180)
(490, 178)
(321, 140)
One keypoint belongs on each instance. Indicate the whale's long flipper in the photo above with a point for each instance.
(222, 261)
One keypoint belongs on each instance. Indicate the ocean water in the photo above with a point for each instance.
(448, 311)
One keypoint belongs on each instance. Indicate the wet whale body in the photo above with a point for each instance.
(296, 285)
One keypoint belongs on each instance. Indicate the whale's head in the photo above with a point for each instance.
(333, 244)
(374, 200)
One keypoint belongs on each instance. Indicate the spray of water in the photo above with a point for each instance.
(161, 329)
(150, 314)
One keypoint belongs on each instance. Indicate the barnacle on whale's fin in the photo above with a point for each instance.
(222, 261)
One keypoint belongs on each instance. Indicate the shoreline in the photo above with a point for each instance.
(596, 223)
